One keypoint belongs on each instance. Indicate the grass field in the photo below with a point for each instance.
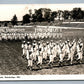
(12, 63)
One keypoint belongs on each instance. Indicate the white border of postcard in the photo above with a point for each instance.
(41, 77)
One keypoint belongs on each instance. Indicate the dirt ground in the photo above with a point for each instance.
(12, 63)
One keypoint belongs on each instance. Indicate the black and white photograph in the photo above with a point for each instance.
(42, 39)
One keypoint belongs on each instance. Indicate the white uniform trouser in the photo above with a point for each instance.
(70, 56)
(51, 58)
(61, 56)
(37, 52)
(48, 51)
(80, 55)
(34, 56)
(27, 56)
(45, 55)
(58, 50)
(54, 53)
(30, 62)
(39, 59)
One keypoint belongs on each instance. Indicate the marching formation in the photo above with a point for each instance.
(22, 36)
(38, 53)
(12, 36)
(16, 33)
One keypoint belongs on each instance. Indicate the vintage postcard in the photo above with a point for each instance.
(42, 41)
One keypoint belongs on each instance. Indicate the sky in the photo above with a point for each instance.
(20, 7)
(7, 11)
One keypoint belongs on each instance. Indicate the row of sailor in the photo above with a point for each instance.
(21, 36)
(42, 51)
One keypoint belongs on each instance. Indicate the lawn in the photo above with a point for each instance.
(12, 63)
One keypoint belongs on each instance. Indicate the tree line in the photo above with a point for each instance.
(47, 15)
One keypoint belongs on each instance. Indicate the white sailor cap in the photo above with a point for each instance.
(53, 44)
(65, 41)
(79, 42)
(28, 42)
(72, 43)
(27, 34)
(47, 42)
(23, 41)
(34, 41)
(39, 42)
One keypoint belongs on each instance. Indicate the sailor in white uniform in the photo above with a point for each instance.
(44, 54)
(71, 55)
(40, 59)
(27, 51)
(58, 49)
(30, 61)
(23, 48)
(66, 48)
(80, 51)
(62, 54)
(51, 59)
(34, 54)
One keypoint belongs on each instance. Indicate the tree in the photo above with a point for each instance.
(47, 14)
(60, 14)
(5, 24)
(38, 14)
(34, 18)
(77, 13)
(66, 14)
(53, 15)
(30, 12)
(14, 20)
(26, 19)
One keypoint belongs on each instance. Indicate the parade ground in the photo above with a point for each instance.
(12, 63)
